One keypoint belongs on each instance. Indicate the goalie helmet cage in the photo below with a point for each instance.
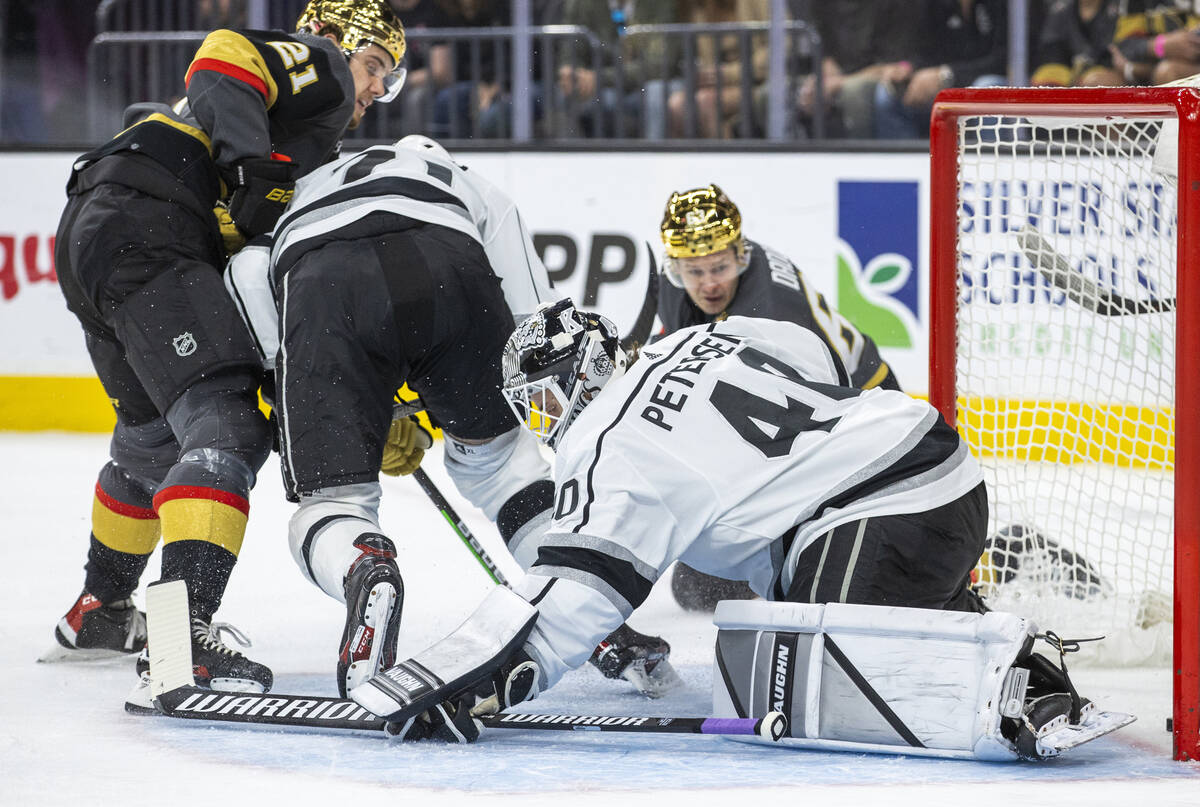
(1064, 344)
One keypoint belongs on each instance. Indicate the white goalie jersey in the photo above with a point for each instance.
(732, 447)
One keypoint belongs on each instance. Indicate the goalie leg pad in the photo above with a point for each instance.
(476, 650)
(894, 680)
(851, 677)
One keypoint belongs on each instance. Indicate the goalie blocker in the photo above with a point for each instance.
(850, 677)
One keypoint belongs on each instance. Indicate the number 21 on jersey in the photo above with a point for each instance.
(294, 55)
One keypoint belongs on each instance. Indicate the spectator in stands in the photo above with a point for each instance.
(1074, 47)
(964, 43)
(468, 76)
(636, 72)
(64, 30)
(416, 102)
(1159, 45)
(723, 89)
(213, 14)
(864, 42)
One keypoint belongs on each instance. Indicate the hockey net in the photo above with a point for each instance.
(1060, 339)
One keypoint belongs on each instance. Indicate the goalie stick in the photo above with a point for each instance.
(314, 712)
(177, 696)
(1078, 287)
(639, 333)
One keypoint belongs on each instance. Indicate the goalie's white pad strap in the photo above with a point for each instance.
(870, 678)
(248, 281)
(476, 649)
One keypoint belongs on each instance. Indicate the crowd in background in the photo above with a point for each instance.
(881, 62)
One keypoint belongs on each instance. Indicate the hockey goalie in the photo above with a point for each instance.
(739, 448)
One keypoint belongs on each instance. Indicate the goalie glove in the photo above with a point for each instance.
(260, 189)
(405, 447)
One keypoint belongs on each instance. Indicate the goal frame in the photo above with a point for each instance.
(1183, 104)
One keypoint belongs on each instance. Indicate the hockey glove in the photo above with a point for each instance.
(260, 191)
(406, 444)
(231, 236)
(450, 721)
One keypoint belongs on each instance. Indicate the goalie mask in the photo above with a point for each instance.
(555, 362)
(357, 24)
(700, 222)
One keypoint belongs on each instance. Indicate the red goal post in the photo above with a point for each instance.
(1045, 218)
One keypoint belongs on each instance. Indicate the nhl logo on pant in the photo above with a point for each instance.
(185, 344)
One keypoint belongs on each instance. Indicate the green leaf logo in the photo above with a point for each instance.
(863, 296)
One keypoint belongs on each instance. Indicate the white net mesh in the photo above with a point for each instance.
(1065, 365)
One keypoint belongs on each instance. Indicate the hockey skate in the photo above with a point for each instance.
(639, 659)
(92, 630)
(697, 591)
(374, 600)
(1044, 715)
(215, 666)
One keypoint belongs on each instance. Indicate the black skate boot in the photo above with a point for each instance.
(697, 591)
(639, 659)
(374, 600)
(94, 630)
(1054, 717)
(215, 666)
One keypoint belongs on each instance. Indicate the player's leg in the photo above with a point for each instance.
(103, 622)
(167, 305)
(918, 560)
(339, 364)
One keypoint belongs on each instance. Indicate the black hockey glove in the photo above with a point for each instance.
(450, 721)
(626, 646)
(260, 189)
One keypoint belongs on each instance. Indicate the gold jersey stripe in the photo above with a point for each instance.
(231, 53)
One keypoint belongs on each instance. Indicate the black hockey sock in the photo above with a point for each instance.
(111, 575)
(205, 567)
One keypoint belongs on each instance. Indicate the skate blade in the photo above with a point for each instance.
(1095, 725)
(656, 683)
(378, 611)
(140, 700)
(58, 654)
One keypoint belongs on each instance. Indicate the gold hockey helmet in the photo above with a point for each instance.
(359, 23)
(700, 222)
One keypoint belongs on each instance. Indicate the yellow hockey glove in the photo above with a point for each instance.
(406, 443)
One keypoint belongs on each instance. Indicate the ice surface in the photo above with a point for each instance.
(65, 739)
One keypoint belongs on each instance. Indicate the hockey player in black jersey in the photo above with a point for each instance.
(149, 220)
(713, 272)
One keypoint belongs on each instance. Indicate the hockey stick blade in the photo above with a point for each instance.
(269, 710)
(773, 726)
(639, 334)
(1081, 290)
